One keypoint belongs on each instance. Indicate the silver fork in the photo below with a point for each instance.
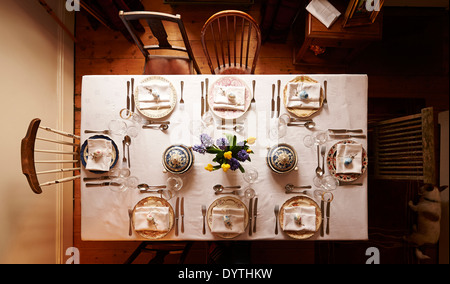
(276, 210)
(322, 152)
(182, 87)
(97, 131)
(204, 218)
(253, 99)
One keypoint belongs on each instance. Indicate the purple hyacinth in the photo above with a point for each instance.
(222, 143)
(199, 148)
(242, 155)
(206, 140)
(234, 164)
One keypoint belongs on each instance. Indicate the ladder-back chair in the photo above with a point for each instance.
(169, 64)
(231, 41)
(43, 157)
(404, 148)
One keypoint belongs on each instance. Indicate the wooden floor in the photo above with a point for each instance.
(407, 70)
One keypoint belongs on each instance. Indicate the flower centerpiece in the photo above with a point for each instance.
(230, 154)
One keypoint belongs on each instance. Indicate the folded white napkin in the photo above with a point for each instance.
(294, 100)
(307, 215)
(344, 151)
(326, 13)
(236, 217)
(151, 219)
(230, 98)
(100, 151)
(149, 101)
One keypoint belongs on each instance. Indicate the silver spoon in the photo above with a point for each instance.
(319, 170)
(308, 124)
(162, 127)
(143, 187)
(127, 140)
(238, 128)
(219, 188)
(290, 188)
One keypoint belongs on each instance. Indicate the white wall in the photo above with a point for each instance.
(36, 80)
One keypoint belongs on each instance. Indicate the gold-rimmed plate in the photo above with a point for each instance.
(227, 202)
(306, 112)
(156, 113)
(153, 201)
(227, 81)
(300, 200)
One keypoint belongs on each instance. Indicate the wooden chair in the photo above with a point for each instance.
(162, 64)
(235, 39)
(48, 158)
(404, 148)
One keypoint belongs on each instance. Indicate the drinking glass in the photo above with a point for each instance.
(122, 184)
(119, 172)
(327, 183)
(174, 183)
(117, 127)
(167, 193)
(250, 175)
(277, 129)
(317, 138)
(249, 193)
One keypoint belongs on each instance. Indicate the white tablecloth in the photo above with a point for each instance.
(104, 214)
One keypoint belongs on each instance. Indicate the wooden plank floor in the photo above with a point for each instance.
(104, 51)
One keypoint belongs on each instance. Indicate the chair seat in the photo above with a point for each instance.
(168, 65)
(225, 69)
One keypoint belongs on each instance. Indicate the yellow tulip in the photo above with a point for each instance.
(228, 155)
(251, 140)
(209, 167)
(225, 167)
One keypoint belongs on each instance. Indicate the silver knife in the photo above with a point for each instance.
(273, 100)
(102, 184)
(255, 213)
(346, 130)
(278, 98)
(132, 94)
(128, 96)
(322, 205)
(182, 214)
(203, 100)
(206, 95)
(96, 178)
(344, 136)
(327, 231)
(177, 209)
(250, 216)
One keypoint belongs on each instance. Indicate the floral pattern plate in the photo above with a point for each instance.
(85, 152)
(331, 163)
(300, 200)
(153, 201)
(227, 202)
(228, 81)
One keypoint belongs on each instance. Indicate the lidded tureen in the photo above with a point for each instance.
(282, 158)
(178, 159)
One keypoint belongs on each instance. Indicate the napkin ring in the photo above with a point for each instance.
(303, 95)
(227, 221)
(348, 160)
(152, 220)
(298, 219)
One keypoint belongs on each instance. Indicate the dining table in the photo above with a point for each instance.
(105, 213)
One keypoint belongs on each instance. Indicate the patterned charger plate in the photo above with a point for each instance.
(227, 202)
(300, 200)
(153, 201)
(331, 163)
(297, 111)
(156, 113)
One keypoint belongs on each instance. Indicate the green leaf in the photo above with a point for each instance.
(234, 141)
(241, 168)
